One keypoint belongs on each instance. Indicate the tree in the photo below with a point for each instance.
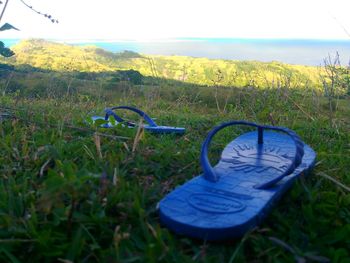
(131, 75)
(4, 51)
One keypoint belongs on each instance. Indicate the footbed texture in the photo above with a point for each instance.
(231, 206)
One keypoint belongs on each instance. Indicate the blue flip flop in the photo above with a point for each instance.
(231, 198)
(151, 126)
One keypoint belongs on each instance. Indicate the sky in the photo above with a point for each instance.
(168, 19)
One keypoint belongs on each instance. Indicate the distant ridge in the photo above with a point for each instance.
(291, 51)
(63, 57)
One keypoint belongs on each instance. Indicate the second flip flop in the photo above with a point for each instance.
(151, 125)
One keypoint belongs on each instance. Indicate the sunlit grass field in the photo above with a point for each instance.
(72, 192)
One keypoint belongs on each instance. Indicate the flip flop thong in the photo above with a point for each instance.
(151, 126)
(231, 198)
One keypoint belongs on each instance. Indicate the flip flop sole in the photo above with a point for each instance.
(231, 206)
(165, 129)
(158, 129)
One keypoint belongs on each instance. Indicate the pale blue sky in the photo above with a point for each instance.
(161, 19)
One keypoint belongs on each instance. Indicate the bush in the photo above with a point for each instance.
(14, 87)
(131, 75)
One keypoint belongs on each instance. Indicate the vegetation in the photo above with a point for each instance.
(71, 192)
(201, 71)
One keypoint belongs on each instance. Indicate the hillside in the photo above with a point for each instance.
(203, 71)
(72, 191)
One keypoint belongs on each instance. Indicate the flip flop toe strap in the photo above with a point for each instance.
(209, 172)
(110, 112)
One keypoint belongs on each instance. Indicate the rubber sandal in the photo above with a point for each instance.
(233, 197)
(151, 126)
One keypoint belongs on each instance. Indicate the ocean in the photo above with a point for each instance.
(291, 51)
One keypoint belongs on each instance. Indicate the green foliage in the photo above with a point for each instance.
(4, 51)
(131, 75)
(71, 195)
(336, 80)
(110, 55)
(6, 67)
(5, 70)
(68, 193)
(344, 79)
(15, 87)
(7, 26)
(59, 57)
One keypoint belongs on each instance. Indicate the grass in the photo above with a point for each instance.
(69, 195)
